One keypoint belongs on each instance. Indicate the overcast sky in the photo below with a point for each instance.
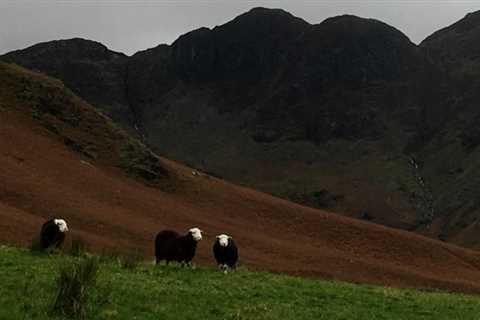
(130, 26)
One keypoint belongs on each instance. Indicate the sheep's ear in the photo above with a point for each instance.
(218, 237)
(229, 237)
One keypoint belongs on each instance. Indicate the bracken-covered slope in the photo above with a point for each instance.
(112, 209)
(347, 115)
(78, 125)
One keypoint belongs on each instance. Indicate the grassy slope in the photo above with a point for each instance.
(28, 289)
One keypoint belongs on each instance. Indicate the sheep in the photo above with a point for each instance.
(52, 234)
(171, 246)
(225, 252)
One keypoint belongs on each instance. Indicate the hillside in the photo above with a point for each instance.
(114, 206)
(346, 115)
(97, 74)
(75, 123)
(456, 178)
(171, 292)
(325, 122)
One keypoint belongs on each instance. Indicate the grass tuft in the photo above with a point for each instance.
(78, 248)
(74, 282)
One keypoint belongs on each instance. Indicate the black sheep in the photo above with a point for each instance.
(225, 252)
(53, 233)
(171, 246)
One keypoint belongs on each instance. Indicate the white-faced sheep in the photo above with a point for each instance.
(52, 234)
(225, 252)
(171, 246)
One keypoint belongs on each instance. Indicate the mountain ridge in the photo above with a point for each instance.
(347, 115)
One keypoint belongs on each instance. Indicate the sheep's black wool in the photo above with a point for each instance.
(225, 255)
(171, 246)
(52, 233)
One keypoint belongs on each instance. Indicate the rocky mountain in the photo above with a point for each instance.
(347, 115)
(453, 155)
(301, 115)
(89, 68)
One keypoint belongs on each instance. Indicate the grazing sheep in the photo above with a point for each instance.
(225, 252)
(53, 233)
(171, 246)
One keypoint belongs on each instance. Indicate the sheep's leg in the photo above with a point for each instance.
(223, 267)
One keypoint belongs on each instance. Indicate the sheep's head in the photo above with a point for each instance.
(62, 225)
(196, 234)
(223, 239)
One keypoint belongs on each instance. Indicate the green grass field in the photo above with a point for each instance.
(28, 290)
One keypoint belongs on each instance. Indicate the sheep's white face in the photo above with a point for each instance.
(223, 240)
(196, 234)
(62, 225)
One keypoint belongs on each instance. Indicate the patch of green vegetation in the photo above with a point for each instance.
(74, 284)
(29, 287)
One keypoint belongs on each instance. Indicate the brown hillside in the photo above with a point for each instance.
(43, 176)
(288, 98)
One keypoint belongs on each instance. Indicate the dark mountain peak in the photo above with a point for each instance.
(345, 18)
(265, 22)
(361, 27)
(264, 10)
(77, 42)
(267, 13)
(471, 22)
(88, 67)
(248, 47)
(351, 49)
(456, 44)
(68, 48)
